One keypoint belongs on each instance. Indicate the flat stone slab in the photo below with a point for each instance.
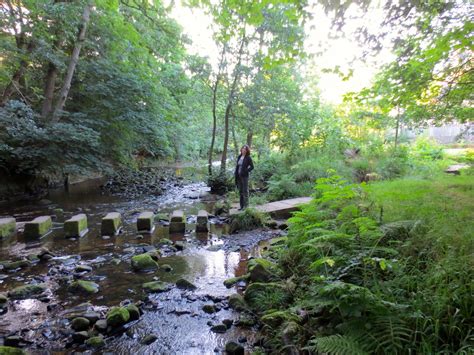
(201, 221)
(279, 208)
(7, 227)
(145, 221)
(38, 227)
(76, 226)
(456, 169)
(177, 216)
(111, 224)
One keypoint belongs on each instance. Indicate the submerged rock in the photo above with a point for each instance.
(144, 262)
(155, 286)
(219, 328)
(26, 291)
(133, 311)
(83, 286)
(209, 308)
(117, 316)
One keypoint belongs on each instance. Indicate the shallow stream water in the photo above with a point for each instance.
(175, 317)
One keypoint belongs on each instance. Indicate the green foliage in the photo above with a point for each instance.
(281, 187)
(248, 219)
(425, 148)
(220, 183)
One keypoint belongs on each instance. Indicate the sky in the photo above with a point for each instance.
(335, 52)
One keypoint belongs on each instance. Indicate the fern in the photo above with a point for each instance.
(336, 345)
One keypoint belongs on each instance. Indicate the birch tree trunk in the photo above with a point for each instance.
(72, 64)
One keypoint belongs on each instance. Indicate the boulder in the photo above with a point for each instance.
(237, 302)
(82, 286)
(76, 226)
(117, 316)
(80, 337)
(80, 323)
(209, 308)
(38, 227)
(101, 325)
(111, 224)
(233, 280)
(144, 262)
(26, 291)
(155, 286)
(261, 270)
(219, 328)
(185, 285)
(13, 265)
(7, 227)
(233, 348)
(133, 311)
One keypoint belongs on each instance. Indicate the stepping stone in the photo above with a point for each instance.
(145, 221)
(201, 223)
(7, 227)
(38, 227)
(111, 224)
(76, 226)
(177, 222)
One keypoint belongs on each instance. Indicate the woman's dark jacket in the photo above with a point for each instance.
(247, 167)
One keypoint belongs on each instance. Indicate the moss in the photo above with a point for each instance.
(38, 227)
(7, 227)
(276, 318)
(76, 226)
(261, 270)
(80, 323)
(185, 284)
(111, 223)
(233, 280)
(26, 291)
(8, 350)
(117, 316)
(133, 311)
(237, 302)
(143, 262)
(155, 286)
(12, 265)
(83, 286)
(95, 342)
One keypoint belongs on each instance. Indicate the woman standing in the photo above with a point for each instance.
(242, 169)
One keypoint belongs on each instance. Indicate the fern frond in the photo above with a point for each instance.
(336, 345)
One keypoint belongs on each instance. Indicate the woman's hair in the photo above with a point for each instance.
(247, 149)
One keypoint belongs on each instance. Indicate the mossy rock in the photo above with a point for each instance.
(27, 291)
(144, 262)
(156, 286)
(7, 227)
(233, 280)
(209, 308)
(219, 328)
(133, 311)
(275, 318)
(263, 296)
(237, 302)
(117, 316)
(95, 342)
(185, 284)
(232, 348)
(261, 270)
(13, 265)
(246, 321)
(8, 350)
(278, 241)
(83, 286)
(80, 323)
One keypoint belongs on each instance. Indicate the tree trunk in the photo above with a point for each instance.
(230, 99)
(214, 123)
(234, 139)
(397, 127)
(48, 91)
(14, 82)
(249, 138)
(72, 64)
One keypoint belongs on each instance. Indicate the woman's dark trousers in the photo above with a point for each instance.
(243, 186)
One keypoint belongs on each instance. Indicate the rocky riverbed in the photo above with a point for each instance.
(92, 292)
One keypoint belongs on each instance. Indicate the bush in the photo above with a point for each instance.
(393, 164)
(427, 148)
(312, 169)
(281, 187)
(220, 183)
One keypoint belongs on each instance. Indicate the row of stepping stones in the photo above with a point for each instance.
(76, 226)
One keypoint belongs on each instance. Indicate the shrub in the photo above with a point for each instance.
(281, 187)
(220, 183)
(427, 148)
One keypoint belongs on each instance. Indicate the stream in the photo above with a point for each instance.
(175, 317)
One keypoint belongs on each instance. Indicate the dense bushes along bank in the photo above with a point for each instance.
(380, 268)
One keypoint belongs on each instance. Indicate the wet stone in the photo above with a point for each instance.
(83, 286)
(209, 308)
(26, 291)
(7, 227)
(179, 245)
(111, 224)
(83, 268)
(117, 316)
(80, 337)
(185, 285)
(232, 348)
(166, 267)
(178, 222)
(201, 221)
(76, 226)
(133, 311)
(143, 262)
(219, 328)
(149, 339)
(92, 317)
(80, 323)
(145, 221)
(101, 325)
(95, 342)
(155, 286)
(38, 227)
